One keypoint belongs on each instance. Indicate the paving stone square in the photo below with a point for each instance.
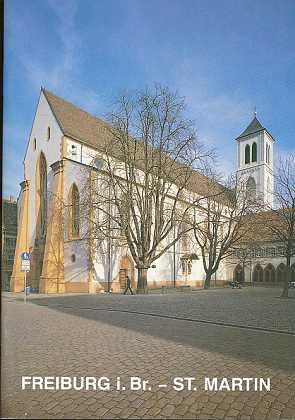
(216, 333)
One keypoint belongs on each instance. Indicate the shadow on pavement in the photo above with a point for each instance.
(269, 349)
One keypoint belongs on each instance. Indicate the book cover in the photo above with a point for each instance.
(148, 235)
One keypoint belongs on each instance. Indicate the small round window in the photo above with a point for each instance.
(97, 163)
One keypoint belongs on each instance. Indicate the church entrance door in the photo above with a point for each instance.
(126, 269)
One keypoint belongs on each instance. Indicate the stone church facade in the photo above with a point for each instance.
(61, 150)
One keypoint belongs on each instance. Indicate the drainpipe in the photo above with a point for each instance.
(109, 242)
(174, 259)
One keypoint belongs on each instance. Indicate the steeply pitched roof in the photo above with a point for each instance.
(252, 128)
(76, 123)
(82, 126)
(263, 226)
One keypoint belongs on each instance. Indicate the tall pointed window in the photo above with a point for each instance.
(267, 153)
(74, 212)
(251, 188)
(254, 152)
(247, 154)
(43, 195)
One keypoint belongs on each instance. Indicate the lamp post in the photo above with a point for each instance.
(109, 250)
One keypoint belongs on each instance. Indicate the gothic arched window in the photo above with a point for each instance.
(268, 153)
(251, 188)
(43, 194)
(293, 272)
(247, 154)
(268, 188)
(254, 152)
(74, 212)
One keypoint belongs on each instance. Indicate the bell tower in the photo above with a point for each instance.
(255, 161)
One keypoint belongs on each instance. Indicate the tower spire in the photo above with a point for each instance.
(255, 112)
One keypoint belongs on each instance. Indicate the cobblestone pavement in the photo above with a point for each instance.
(66, 340)
(259, 307)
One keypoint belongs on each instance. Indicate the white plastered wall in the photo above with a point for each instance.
(77, 270)
(76, 169)
(44, 118)
(260, 170)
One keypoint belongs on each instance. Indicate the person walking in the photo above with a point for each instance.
(128, 286)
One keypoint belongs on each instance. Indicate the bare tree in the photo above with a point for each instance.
(282, 218)
(220, 225)
(140, 195)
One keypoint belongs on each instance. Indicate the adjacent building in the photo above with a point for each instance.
(9, 234)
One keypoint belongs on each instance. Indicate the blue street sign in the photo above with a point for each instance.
(25, 255)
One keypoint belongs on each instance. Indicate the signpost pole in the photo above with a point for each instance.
(25, 282)
(25, 266)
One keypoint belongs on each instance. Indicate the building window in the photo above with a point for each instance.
(74, 150)
(267, 158)
(251, 188)
(35, 143)
(74, 212)
(97, 163)
(48, 133)
(281, 251)
(247, 154)
(186, 265)
(43, 195)
(73, 258)
(254, 152)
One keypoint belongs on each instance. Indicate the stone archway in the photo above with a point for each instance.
(269, 273)
(238, 274)
(258, 274)
(126, 269)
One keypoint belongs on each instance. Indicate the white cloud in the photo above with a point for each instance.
(59, 75)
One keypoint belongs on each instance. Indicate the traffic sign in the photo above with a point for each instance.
(25, 256)
(25, 266)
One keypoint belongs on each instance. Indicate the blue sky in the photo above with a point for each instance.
(224, 56)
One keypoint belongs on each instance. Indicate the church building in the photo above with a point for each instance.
(62, 146)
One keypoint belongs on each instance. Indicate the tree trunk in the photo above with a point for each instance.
(285, 292)
(142, 280)
(207, 280)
